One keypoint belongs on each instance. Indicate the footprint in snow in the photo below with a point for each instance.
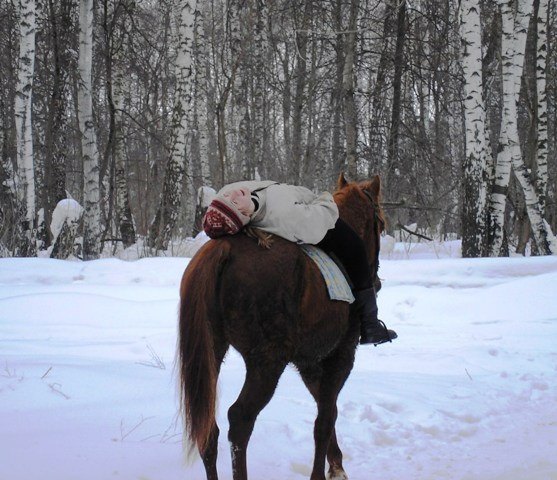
(403, 309)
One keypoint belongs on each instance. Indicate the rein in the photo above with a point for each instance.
(378, 221)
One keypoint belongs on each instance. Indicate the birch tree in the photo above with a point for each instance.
(90, 155)
(115, 89)
(350, 117)
(201, 100)
(236, 24)
(377, 132)
(260, 11)
(542, 147)
(475, 193)
(338, 159)
(57, 131)
(393, 159)
(122, 204)
(167, 214)
(300, 74)
(514, 31)
(513, 43)
(23, 120)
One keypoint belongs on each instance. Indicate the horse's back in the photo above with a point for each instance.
(276, 299)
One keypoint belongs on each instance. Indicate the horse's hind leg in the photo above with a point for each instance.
(261, 380)
(209, 455)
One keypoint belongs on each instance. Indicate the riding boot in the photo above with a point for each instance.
(372, 330)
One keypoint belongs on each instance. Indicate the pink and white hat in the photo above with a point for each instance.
(223, 218)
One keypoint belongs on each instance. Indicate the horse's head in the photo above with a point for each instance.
(359, 205)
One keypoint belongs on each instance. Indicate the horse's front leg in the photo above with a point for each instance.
(334, 457)
(322, 434)
(313, 378)
(260, 384)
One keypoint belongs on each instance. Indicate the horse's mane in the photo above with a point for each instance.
(264, 239)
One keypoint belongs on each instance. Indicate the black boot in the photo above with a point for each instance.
(372, 329)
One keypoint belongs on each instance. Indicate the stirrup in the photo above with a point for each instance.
(381, 334)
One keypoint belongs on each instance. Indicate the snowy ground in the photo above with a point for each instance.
(468, 391)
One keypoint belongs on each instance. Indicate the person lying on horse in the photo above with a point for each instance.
(301, 216)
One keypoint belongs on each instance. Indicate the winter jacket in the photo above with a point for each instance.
(290, 211)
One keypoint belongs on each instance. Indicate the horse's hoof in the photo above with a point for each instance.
(337, 474)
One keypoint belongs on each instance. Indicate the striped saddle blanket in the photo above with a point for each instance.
(337, 285)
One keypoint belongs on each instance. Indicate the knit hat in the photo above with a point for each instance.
(223, 218)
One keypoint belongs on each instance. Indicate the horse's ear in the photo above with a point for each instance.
(341, 182)
(375, 187)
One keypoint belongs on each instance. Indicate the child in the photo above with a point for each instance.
(297, 214)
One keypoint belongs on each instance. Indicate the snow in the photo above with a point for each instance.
(205, 196)
(66, 211)
(467, 391)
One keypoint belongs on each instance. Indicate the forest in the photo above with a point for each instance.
(115, 113)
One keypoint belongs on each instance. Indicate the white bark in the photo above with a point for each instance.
(261, 54)
(541, 57)
(475, 125)
(123, 210)
(184, 80)
(91, 190)
(541, 230)
(236, 13)
(23, 108)
(201, 73)
(514, 31)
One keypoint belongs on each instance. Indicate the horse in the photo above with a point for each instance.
(272, 306)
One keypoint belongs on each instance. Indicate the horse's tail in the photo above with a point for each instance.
(197, 364)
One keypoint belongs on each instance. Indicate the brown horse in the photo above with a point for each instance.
(272, 306)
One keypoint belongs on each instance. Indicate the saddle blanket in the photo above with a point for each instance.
(337, 285)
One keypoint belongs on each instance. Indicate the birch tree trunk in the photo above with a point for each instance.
(286, 100)
(260, 56)
(475, 193)
(116, 45)
(512, 45)
(240, 138)
(301, 38)
(376, 129)
(167, 214)
(350, 117)
(10, 225)
(338, 157)
(515, 29)
(311, 169)
(56, 130)
(542, 147)
(23, 122)
(393, 164)
(202, 71)
(91, 190)
(123, 210)
(228, 85)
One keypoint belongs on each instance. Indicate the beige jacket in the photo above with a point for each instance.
(290, 211)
